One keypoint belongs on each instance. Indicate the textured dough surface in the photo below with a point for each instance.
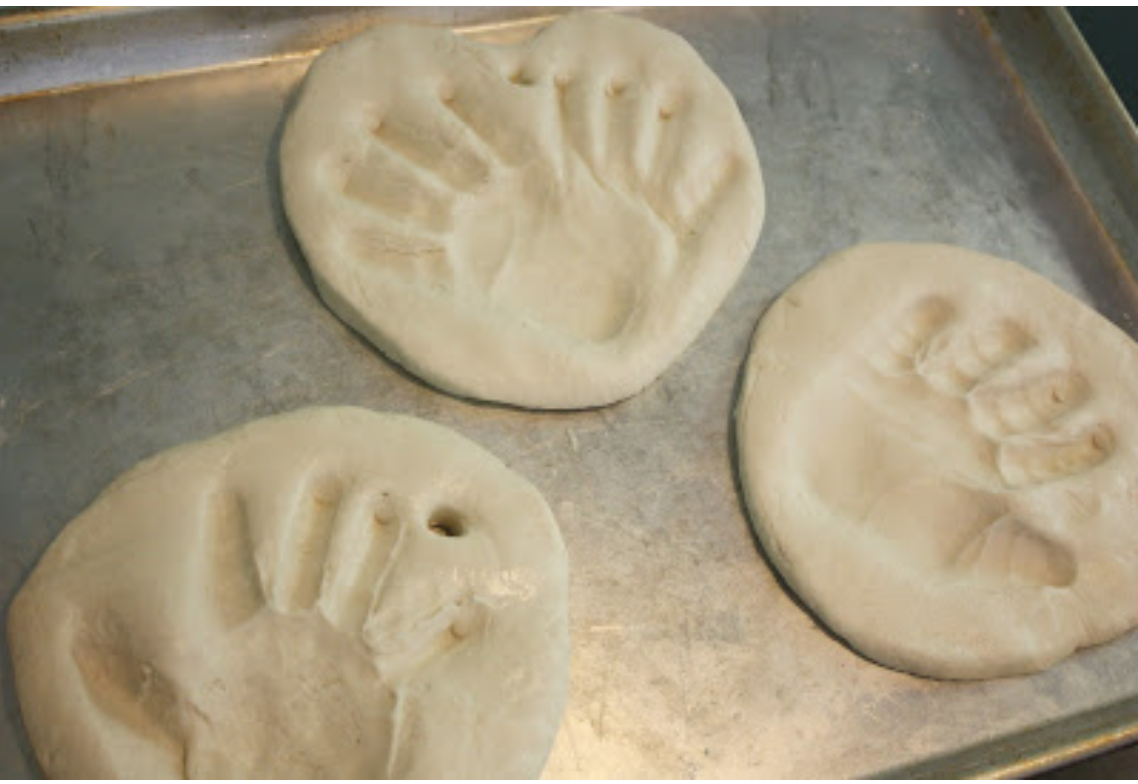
(938, 452)
(325, 594)
(548, 224)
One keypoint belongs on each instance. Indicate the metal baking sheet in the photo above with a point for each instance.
(151, 293)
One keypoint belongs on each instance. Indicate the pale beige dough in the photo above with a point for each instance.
(938, 453)
(548, 224)
(325, 594)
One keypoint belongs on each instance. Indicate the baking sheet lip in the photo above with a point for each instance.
(1081, 52)
(1033, 750)
(17, 20)
(68, 77)
(1101, 157)
(93, 15)
(176, 73)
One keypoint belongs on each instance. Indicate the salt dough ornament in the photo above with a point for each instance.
(548, 224)
(938, 453)
(325, 594)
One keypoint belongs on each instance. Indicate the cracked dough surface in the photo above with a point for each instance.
(938, 453)
(548, 224)
(328, 593)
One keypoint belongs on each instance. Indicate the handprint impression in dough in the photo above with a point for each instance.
(291, 671)
(930, 444)
(555, 195)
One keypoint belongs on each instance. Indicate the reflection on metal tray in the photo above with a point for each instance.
(152, 294)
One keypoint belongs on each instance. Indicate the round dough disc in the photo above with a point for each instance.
(547, 224)
(938, 452)
(331, 593)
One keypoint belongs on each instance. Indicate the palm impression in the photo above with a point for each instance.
(547, 225)
(326, 594)
(936, 450)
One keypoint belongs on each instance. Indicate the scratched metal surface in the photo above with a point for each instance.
(150, 293)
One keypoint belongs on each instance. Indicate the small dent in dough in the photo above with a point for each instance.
(446, 91)
(521, 78)
(670, 104)
(616, 87)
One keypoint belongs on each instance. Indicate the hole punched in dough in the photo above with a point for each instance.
(447, 523)
(565, 213)
(963, 459)
(265, 604)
